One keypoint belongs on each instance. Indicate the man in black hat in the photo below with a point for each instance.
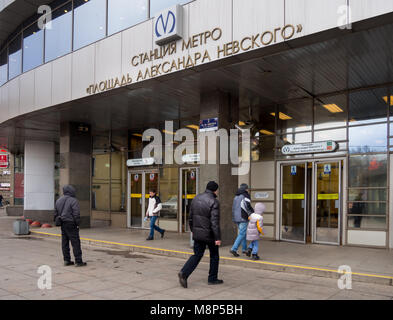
(205, 227)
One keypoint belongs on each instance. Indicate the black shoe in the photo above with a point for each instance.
(149, 239)
(182, 280)
(255, 257)
(81, 264)
(234, 253)
(215, 282)
(162, 234)
(248, 253)
(68, 263)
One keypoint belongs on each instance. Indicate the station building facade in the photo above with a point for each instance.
(311, 79)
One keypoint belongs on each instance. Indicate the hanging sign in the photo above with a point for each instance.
(208, 125)
(293, 170)
(191, 158)
(327, 169)
(136, 178)
(304, 148)
(140, 162)
(152, 176)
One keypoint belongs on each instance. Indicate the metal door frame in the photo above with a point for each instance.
(143, 206)
(305, 199)
(180, 204)
(315, 200)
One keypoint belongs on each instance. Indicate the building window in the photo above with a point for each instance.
(157, 6)
(365, 139)
(33, 47)
(89, 22)
(3, 67)
(123, 14)
(15, 57)
(330, 112)
(58, 39)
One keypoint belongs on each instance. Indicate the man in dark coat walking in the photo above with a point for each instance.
(205, 227)
(67, 207)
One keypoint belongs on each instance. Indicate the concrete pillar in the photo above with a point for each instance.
(39, 188)
(221, 105)
(75, 164)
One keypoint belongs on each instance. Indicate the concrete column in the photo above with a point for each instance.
(39, 188)
(221, 105)
(75, 164)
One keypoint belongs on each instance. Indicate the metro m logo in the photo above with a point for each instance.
(168, 25)
(163, 26)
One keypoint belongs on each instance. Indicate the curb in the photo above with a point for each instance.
(261, 265)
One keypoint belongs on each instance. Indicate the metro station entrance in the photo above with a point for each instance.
(311, 201)
(140, 182)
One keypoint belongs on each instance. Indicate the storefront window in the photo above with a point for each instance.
(33, 47)
(365, 139)
(123, 14)
(368, 106)
(89, 22)
(15, 57)
(368, 171)
(3, 67)
(58, 39)
(159, 5)
(358, 222)
(169, 190)
(294, 117)
(331, 112)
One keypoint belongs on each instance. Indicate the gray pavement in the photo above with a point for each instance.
(123, 275)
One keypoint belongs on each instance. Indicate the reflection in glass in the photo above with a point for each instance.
(367, 195)
(169, 188)
(367, 222)
(368, 171)
(15, 58)
(159, 5)
(89, 22)
(33, 47)
(367, 208)
(123, 14)
(3, 66)
(262, 147)
(331, 112)
(367, 106)
(365, 139)
(335, 135)
(294, 138)
(58, 39)
(294, 117)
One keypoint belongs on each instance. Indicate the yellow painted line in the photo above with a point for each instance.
(224, 258)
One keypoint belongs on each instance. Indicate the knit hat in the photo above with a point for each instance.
(260, 208)
(212, 186)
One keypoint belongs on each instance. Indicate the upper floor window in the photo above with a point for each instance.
(159, 5)
(15, 57)
(3, 66)
(123, 14)
(33, 47)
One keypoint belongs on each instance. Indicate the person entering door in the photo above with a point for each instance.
(153, 212)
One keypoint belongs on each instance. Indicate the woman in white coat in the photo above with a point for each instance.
(254, 230)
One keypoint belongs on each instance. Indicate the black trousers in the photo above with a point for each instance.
(193, 261)
(70, 232)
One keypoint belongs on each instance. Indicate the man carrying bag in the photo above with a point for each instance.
(67, 215)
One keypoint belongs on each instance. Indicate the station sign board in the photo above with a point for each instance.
(140, 162)
(306, 148)
(191, 158)
(208, 125)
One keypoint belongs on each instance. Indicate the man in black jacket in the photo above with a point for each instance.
(205, 227)
(67, 207)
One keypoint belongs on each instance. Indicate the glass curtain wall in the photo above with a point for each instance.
(3, 66)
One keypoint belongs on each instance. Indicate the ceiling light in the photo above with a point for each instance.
(266, 132)
(333, 108)
(386, 100)
(282, 116)
(193, 126)
(242, 123)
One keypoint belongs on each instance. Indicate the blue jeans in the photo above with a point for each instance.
(241, 237)
(254, 246)
(154, 227)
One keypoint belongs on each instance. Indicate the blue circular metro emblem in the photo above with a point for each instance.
(165, 25)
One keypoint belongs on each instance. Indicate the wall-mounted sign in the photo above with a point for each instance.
(316, 147)
(3, 160)
(136, 177)
(152, 176)
(191, 158)
(261, 195)
(293, 170)
(192, 175)
(208, 125)
(168, 25)
(327, 169)
(140, 162)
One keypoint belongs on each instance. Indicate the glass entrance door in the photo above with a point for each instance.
(140, 183)
(189, 189)
(328, 202)
(293, 202)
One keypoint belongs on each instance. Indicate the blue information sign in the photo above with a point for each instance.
(208, 125)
